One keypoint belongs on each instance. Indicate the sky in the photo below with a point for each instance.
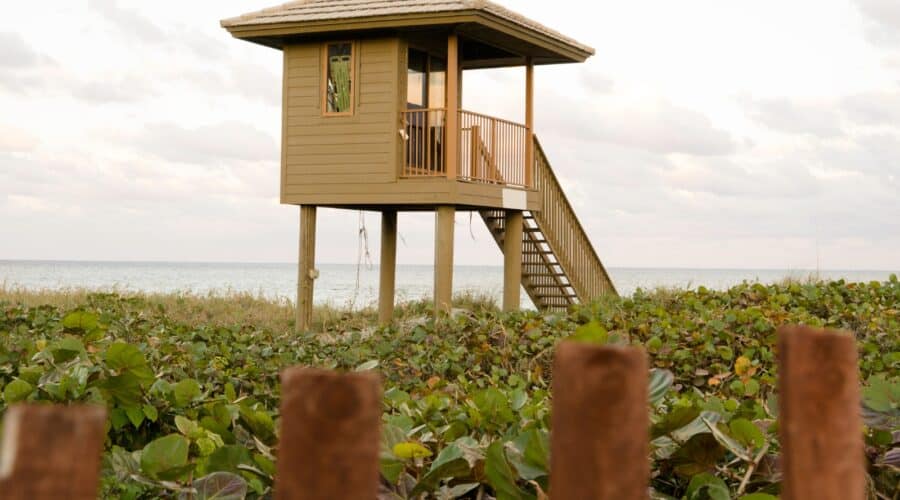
(703, 134)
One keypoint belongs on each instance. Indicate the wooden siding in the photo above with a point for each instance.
(339, 155)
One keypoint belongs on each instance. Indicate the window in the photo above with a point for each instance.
(338, 78)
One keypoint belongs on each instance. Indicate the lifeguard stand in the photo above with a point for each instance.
(372, 120)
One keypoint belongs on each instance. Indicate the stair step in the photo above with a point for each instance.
(537, 252)
(544, 275)
(543, 296)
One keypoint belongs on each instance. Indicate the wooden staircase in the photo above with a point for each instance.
(559, 265)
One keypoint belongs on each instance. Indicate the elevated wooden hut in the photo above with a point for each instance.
(372, 120)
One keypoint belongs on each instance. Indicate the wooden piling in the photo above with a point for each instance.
(820, 419)
(330, 427)
(306, 268)
(600, 422)
(444, 226)
(51, 451)
(512, 260)
(388, 268)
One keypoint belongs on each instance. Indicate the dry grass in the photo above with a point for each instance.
(235, 308)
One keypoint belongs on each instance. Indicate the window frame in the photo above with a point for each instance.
(324, 80)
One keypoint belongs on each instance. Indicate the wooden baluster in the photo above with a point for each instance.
(599, 443)
(52, 451)
(330, 427)
(820, 419)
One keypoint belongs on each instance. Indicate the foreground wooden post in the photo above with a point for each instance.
(51, 452)
(512, 261)
(330, 435)
(600, 418)
(820, 420)
(306, 268)
(388, 279)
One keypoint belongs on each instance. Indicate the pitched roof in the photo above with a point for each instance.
(306, 11)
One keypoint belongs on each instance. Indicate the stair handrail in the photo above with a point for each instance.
(542, 165)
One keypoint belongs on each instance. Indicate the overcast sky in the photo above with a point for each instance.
(704, 133)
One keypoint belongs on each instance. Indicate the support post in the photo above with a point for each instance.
(306, 269)
(512, 261)
(330, 427)
(445, 220)
(387, 281)
(529, 122)
(453, 98)
(52, 452)
(821, 441)
(599, 433)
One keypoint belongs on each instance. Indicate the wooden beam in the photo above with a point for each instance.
(330, 426)
(388, 269)
(512, 261)
(453, 96)
(820, 422)
(52, 452)
(306, 268)
(445, 220)
(529, 122)
(599, 445)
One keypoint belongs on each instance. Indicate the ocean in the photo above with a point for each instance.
(346, 285)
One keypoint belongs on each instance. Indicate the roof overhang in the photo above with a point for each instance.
(479, 25)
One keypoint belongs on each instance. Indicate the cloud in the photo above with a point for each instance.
(795, 116)
(873, 108)
(129, 22)
(659, 127)
(222, 142)
(15, 53)
(883, 19)
(109, 90)
(14, 140)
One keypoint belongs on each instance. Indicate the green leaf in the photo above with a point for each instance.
(66, 348)
(728, 442)
(705, 486)
(126, 358)
(881, 395)
(747, 433)
(166, 457)
(227, 458)
(80, 320)
(16, 391)
(185, 391)
(368, 365)
(501, 476)
(187, 427)
(410, 450)
(220, 486)
(592, 332)
(758, 496)
(449, 463)
(135, 415)
(150, 412)
(660, 382)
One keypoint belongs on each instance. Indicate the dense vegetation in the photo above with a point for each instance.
(194, 400)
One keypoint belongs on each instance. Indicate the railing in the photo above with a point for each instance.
(565, 234)
(330, 429)
(491, 150)
(424, 153)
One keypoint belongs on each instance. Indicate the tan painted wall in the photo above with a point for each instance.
(331, 154)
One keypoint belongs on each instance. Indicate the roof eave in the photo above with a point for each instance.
(269, 34)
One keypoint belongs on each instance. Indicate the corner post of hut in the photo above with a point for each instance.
(306, 268)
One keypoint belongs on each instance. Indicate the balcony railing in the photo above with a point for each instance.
(490, 150)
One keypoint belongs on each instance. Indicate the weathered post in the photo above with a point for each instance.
(820, 420)
(512, 260)
(600, 423)
(51, 452)
(306, 268)
(388, 269)
(444, 226)
(330, 428)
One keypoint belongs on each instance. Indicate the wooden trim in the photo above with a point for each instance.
(323, 84)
